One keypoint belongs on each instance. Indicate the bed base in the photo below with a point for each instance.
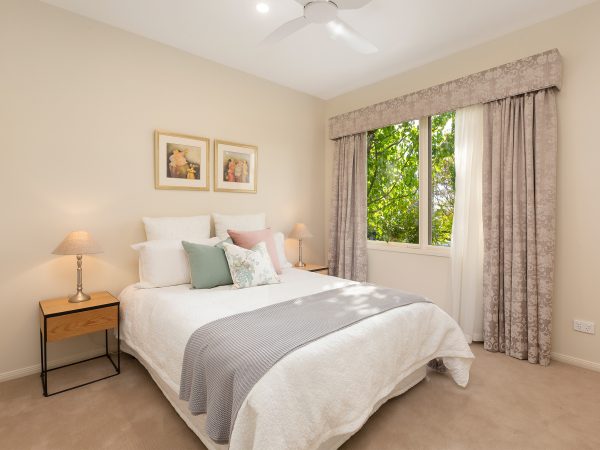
(197, 423)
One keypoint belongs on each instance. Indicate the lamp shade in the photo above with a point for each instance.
(300, 231)
(78, 243)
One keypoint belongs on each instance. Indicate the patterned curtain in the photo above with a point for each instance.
(348, 227)
(519, 202)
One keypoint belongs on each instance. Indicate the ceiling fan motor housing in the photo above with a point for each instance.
(320, 11)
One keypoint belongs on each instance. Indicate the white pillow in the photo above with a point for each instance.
(280, 247)
(250, 267)
(191, 229)
(246, 222)
(165, 263)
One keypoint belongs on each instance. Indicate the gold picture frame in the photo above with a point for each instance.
(236, 167)
(181, 161)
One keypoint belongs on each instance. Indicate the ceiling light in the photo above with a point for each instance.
(262, 7)
(335, 27)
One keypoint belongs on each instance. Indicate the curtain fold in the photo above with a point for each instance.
(348, 227)
(467, 226)
(519, 203)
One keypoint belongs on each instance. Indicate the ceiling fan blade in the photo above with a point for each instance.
(304, 2)
(340, 30)
(351, 4)
(285, 30)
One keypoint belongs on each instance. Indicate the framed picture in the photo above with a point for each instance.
(235, 167)
(180, 161)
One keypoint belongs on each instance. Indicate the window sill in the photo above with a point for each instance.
(397, 247)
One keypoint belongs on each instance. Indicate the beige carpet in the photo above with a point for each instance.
(509, 404)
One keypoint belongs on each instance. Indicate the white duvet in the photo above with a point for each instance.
(322, 390)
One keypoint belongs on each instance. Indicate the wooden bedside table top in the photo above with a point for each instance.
(313, 267)
(62, 305)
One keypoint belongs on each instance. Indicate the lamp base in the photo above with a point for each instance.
(300, 263)
(79, 297)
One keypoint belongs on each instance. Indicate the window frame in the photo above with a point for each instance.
(423, 247)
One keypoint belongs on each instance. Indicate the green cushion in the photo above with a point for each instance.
(208, 265)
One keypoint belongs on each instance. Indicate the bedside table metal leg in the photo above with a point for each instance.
(44, 361)
(119, 339)
(117, 366)
(41, 354)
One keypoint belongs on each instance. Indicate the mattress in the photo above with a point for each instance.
(317, 396)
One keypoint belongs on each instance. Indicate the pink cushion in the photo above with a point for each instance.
(248, 239)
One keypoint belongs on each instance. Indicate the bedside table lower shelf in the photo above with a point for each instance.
(45, 370)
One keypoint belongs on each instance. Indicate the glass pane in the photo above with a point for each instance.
(393, 183)
(442, 179)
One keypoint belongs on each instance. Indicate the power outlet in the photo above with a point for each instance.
(584, 326)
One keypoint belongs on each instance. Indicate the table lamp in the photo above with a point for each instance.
(300, 232)
(78, 243)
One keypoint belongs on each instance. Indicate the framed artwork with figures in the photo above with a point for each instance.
(235, 167)
(181, 161)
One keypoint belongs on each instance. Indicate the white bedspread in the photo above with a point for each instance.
(324, 389)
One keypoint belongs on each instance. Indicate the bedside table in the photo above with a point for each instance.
(60, 319)
(317, 268)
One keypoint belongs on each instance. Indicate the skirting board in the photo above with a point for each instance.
(23, 372)
(576, 361)
(36, 368)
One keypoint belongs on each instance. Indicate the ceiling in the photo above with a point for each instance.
(408, 34)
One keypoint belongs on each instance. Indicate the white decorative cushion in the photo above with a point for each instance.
(280, 247)
(245, 222)
(164, 263)
(190, 229)
(250, 267)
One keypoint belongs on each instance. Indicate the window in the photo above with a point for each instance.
(442, 179)
(410, 193)
(393, 183)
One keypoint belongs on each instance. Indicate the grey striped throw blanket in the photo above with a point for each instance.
(224, 359)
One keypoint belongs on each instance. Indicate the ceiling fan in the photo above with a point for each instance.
(326, 12)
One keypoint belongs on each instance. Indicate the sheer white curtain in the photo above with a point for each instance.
(467, 228)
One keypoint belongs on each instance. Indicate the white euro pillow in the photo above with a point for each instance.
(164, 262)
(239, 222)
(190, 229)
(280, 247)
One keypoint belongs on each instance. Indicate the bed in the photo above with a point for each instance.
(317, 396)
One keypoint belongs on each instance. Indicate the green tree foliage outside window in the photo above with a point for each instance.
(443, 178)
(393, 183)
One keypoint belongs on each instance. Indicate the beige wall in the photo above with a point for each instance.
(79, 102)
(78, 105)
(576, 35)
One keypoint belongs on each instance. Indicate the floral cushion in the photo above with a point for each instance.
(250, 267)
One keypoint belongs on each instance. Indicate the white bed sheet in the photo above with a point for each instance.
(324, 389)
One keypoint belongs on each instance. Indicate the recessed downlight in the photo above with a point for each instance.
(262, 7)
